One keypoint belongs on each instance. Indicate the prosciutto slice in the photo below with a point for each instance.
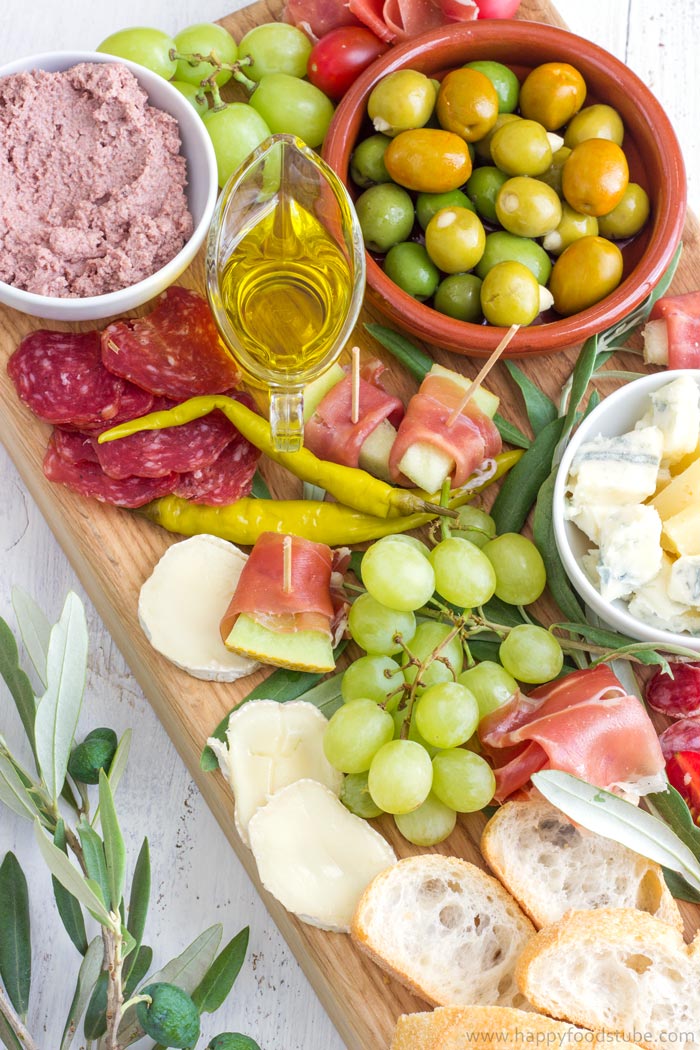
(331, 433)
(314, 602)
(584, 724)
(318, 17)
(391, 20)
(470, 440)
(682, 316)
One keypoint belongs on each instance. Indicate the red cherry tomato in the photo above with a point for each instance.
(497, 8)
(340, 56)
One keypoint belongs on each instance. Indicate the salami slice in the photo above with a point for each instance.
(175, 350)
(155, 453)
(61, 378)
(227, 479)
(88, 479)
(683, 735)
(74, 447)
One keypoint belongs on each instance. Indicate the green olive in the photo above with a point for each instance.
(573, 225)
(367, 162)
(482, 188)
(427, 204)
(627, 218)
(458, 296)
(386, 216)
(401, 101)
(455, 239)
(510, 295)
(502, 246)
(587, 271)
(552, 176)
(95, 753)
(410, 267)
(521, 147)
(527, 207)
(482, 147)
(170, 1017)
(595, 122)
(503, 79)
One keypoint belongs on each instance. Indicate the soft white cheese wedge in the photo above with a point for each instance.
(630, 550)
(675, 410)
(616, 469)
(315, 856)
(653, 605)
(271, 745)
(684, 581)
(182, 602)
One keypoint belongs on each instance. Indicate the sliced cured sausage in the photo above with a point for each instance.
(174, 351)
(227, 479)
(74, 446)
(88, 479)
(155, 453)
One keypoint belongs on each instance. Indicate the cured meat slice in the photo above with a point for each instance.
(155, 453)
(74, 447)
(227, 479)
(331, 433)
(683, 735)
(318, 17)
(174, 351)
(88, 479)
(682, 316)
(399, 20)
(134, 402)
(61, 378)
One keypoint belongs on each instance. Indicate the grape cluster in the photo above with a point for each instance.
(405, 735)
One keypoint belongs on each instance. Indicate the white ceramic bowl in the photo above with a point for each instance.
(616, 414)
(201, 196)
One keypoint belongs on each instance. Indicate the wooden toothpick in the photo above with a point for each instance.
(476, 383)
(355, 403)
(287, 564)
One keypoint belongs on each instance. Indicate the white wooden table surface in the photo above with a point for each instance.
(197, 880)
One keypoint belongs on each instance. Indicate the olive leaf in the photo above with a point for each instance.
(114, 849)
(260, 489)
(88, 975)
(540, 409)
(95, 1024)
(670, 806)
(59, 707)
(17, 682)
(510, 433)
(142, 964)
(15, 935)
(543, 535)
(138, 901)
(13, 791)
(34, 629)
(645, 652)
(414, 360)
(219, 979)
(116, 769)
(521, 485)
(580, 378)
(94, 859)
(313, 492)
(68, 907)
(70, 877)
(326, 696)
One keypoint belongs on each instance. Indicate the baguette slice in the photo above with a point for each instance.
(551, 866)
(618, 970)
(444, 929)
(490, 1027)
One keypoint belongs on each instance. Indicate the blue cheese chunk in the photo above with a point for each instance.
(652, 604)
(630, 551)
(675, 410)
(589, 518)
(616, 470)
(684, 580)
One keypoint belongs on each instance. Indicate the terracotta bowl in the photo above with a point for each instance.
(652, 149)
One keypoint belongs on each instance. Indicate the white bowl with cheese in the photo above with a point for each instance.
(648, 614)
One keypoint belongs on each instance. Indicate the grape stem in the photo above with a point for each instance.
(195, 58)
(422, 667)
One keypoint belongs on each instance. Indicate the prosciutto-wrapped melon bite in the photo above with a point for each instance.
(289, 608)
(672, 333)
(439, 437)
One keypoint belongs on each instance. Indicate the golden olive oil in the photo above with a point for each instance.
(286, 290)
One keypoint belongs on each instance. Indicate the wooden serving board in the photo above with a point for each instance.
(113, 552)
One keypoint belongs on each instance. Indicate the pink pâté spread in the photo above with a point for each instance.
(92, 183)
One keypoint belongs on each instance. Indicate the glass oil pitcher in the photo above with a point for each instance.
(285, 274)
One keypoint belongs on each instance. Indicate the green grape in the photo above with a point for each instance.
(491, 685)
(205, 38)
(475, 525)
(373, 626)
(447, 714)
(462, 574)
(190, 91)
(400, 776)
(235, 131)
(355, 733)
(275, 48)
(147, 47)
(293, 106)
(430, 637)
(399, 716)
(412, 541)
(431, 823)
(531, 654)
(374, 677)
(355, 796)
(398, 575)
(463, 780)
(520, 571)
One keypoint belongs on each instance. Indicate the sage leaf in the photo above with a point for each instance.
(139, 898)
(522, 484)
(645, 652)
(141, 965)
(414, 360)
(7, 1036)
(68, 907)
(219, 979)
(17, 682)
(88, 975)
(13, 792)
(669, 806)
(543, 535)
(94, 859)
(540, 409)
(260, 489)
(679, 888)
(59, 707)
(616, 819)
(35, 630)
(114, 849)
(510, 433)
(70, 877)
(188, 968)
(15, 934)
(580, 378)
(116, 769)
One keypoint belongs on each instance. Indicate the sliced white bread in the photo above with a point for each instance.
(490, 1027)
(551, 866)
(616, 970)
(445, 929)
